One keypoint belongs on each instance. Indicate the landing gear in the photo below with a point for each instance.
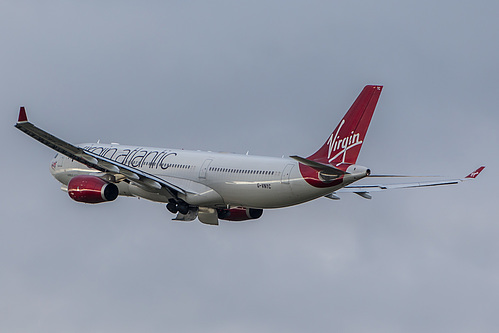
(185, 213)
(183, 208)
(223, 213)
(172, 207)
(180, 207)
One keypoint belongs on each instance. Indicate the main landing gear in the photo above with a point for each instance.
(184, 212)
(178, 207)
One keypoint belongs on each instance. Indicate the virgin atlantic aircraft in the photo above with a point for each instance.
(213, 186)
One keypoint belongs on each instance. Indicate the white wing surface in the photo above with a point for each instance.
(143, 179)
(364, 190)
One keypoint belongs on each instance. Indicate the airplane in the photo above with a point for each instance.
(213, 186)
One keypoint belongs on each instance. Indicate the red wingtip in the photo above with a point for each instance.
(22, 115)
(475, 173)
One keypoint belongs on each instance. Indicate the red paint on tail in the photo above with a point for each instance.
(343, 146)
(22, 115)
(475, 173)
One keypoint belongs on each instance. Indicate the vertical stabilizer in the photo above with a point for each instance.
(343, 146)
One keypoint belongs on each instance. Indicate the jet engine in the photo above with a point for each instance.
(239, 214)
(91, 189)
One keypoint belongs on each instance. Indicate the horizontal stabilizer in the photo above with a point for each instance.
(324, 168)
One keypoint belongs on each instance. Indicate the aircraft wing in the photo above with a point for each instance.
(143, 179)
(364, 190)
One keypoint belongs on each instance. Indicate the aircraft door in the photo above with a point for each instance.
(204, 168)
(286, 173)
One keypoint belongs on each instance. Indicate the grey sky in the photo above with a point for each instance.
(274, 78)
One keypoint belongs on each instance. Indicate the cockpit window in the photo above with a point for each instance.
(56, 155)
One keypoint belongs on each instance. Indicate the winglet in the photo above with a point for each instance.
(475, 173)
(22, 115)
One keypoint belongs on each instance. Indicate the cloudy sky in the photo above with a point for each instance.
(274, 78)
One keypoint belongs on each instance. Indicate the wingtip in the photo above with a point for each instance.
(475, 173)
(375, 86)
(22, 115)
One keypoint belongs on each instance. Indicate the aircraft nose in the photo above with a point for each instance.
(53, 164)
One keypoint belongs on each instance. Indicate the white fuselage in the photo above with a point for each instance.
(215, 179)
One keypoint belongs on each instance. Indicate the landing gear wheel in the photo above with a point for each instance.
(223, 213)
(183, 208)
(172, 207)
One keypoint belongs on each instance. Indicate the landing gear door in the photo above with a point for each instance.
(204, 169)
(286, 173)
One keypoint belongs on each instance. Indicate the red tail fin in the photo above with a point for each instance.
(343, 146)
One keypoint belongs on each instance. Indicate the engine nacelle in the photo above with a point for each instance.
(239, 214)
(91, 189)
(357, 172)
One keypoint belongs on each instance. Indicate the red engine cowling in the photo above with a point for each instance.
(239, 214)
(91, 189)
